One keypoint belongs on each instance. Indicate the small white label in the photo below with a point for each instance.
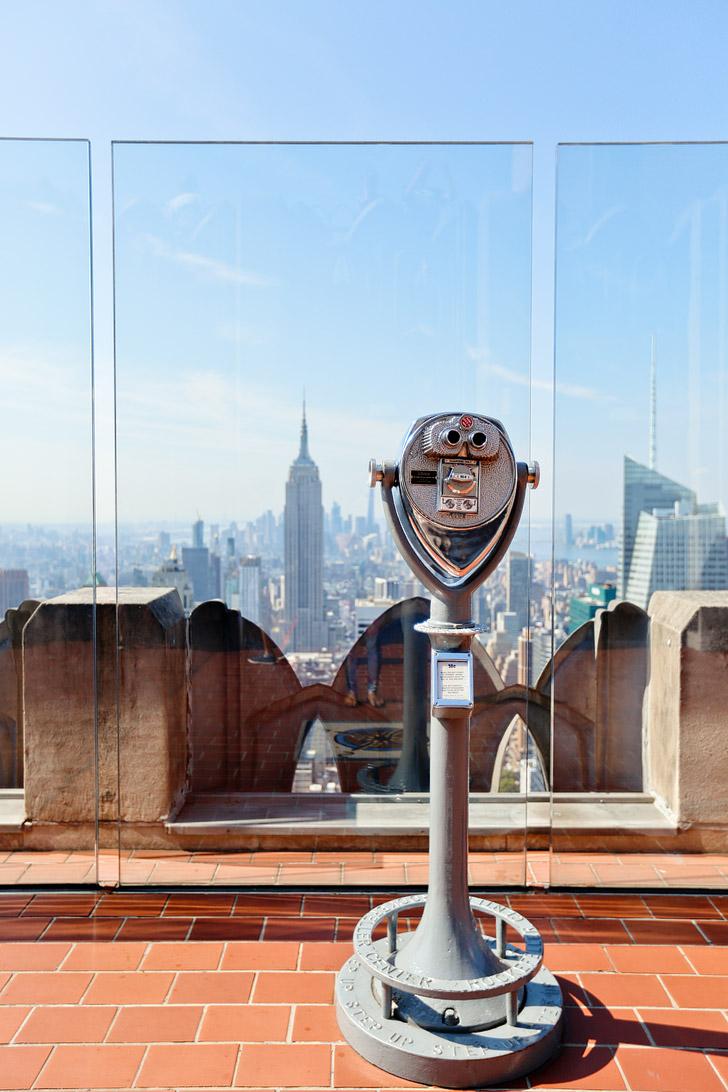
(453, 678)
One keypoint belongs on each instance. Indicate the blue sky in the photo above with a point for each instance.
(540, 72)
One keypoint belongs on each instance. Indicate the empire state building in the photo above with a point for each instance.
(303, 522)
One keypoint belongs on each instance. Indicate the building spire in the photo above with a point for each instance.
(653, 410)
(304, 456)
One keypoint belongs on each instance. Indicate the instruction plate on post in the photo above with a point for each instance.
(452, 680)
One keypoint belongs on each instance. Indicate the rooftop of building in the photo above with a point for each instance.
(192, 989)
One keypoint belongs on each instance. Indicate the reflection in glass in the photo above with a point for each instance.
(282, 313)
(641, 564)
(48, 773)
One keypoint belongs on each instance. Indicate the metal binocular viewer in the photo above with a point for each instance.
(447, 1003)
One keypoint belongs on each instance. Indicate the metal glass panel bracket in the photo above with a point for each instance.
(446, 1004)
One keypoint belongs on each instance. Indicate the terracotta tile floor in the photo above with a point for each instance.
(362, 868)
(211, 990)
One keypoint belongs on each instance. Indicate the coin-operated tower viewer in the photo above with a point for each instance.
(445, 1004)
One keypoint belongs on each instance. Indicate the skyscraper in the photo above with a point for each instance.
(669, 541)
(303, 520)
(13, 589)
(518, 585)
(644, 490)
(196, 561)
(250, 588)
(679, 548)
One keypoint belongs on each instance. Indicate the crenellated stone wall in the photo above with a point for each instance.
(211, 706)
(142, 748)
(686, 739)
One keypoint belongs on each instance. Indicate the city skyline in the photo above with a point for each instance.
(640, 245)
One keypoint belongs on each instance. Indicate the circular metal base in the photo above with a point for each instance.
(450, 1059)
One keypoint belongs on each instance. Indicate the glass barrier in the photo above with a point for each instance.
(48, 726)
(283, 313)
(640, 606)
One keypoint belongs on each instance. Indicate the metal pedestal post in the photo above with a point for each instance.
(445, 1004)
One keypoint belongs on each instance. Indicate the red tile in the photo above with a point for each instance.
(284, 1065)
(577, 1067)
(544, 906)
(681, 906)
(715, 931)
(240, 928)
(80, 1066)
(127, 904)
(10, 873)
(56, 1024)
(38, 874)
(250, 955)
(656, 1069)
(154, 929)
(32, 957)
(14, 929)
(576, 957)
(188, 1065)
(156, 1024)
(105, 957)
(13, 903)
(607, 1027)
(705, 960)
(204, 904)
(571, 990)
(208, 987)
(178, 957)
(338, 905)
(313, 987)
(598, 905)
(600, 931)
(47, 905)
(20, 1065)
(290, 856)
(631, 875)
(11, 1017)
(720, 1061)
(362, 857)
(244, 874)
(324, 957)
(374, 874)
(82, 929)
(624, 990)
(179, 855)
(665, 932)
(310, 928)
(245, 1023)
(257, 905)
(45, 988)
(698, 1029)
(721, 903)
(315, 1024)
(310, 874)
(128, 988)
(648, 959)
(696, 991)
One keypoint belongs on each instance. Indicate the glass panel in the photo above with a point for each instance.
(284, 312)
(641, 607)
(48, 772)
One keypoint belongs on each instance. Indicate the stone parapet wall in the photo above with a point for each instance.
(142, 748)
(686, 738)
(212, 706)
